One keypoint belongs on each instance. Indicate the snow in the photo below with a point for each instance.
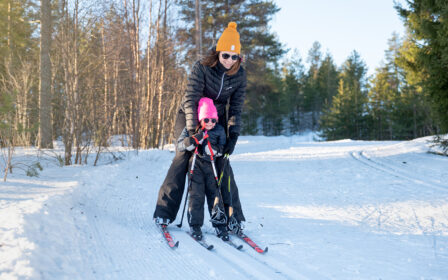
(327, 210)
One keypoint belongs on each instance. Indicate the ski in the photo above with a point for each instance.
(202, 243)
(230, 242)
(166, 234)
(252, 244)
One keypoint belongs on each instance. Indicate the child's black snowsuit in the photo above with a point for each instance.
(203, 180)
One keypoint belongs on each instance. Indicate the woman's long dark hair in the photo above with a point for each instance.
(212, 59)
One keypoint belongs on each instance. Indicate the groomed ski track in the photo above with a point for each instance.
(326, 210)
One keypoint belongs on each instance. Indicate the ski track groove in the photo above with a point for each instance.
(356, 156)
(120, 259)
(168, 255)
(230, 255)
(100, 251)
(273, 265)
(214, 256)
(173, 256)
(360, 157)
(398, 170)
(101, 234)
(169, 258)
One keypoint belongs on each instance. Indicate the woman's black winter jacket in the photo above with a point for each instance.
(214, 83)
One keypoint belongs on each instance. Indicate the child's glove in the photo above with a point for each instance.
(190, 142)
(199, 137)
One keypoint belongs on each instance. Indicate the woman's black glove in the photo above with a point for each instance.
(230, 144)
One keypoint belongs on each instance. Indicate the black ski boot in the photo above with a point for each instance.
(196, 232)
(234, 226)
(221, 232)
(162, 222)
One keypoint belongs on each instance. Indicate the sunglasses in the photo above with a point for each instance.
(227, 56)
(206, 120)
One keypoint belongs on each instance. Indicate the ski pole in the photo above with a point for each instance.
(226, 161)
(190, 179)
(232, 220)
(226, 157)
(218, 198)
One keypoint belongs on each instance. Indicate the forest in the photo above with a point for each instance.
(82, 71)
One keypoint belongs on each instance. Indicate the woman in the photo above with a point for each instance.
(221, 77)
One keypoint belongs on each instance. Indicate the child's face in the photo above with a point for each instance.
(210, 124)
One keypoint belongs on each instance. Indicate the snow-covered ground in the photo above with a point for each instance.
(327, 210)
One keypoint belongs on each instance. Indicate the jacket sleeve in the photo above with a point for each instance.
(219, 146)
(222, 140)
(194, 92)
(236, 107)
(184, 142)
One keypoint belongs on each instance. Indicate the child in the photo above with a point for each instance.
(203, 178)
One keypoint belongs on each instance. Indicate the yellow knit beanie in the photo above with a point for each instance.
(229, 40)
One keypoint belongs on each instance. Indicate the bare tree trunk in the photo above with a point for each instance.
(8, 166)
(76, 99)
(9, 26)
(161, 80)
(68, 123)
(160, 109)
(153, 100)
(136, 55)
(115, 124)
(106, 79)
(198, 29)
(144, 134)
(156, 82)
(172, 115)
(45, 131)
(414, 118)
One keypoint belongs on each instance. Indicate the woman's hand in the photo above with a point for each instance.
(230, 143)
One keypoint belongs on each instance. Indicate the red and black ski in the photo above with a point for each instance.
(166, 234)
(252, 244)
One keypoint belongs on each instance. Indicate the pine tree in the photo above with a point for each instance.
(15, 31)
(18, 59)
(327, 82)
(292, 91)
(346, 116)
(427, 21)
(272, 104)
(311, 90)
(381, 99)
(414, 118)
(336, 121)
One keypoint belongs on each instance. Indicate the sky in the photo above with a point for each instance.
(340, 26)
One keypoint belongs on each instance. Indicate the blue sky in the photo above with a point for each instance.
(340, 26)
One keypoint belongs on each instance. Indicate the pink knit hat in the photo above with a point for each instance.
(206, 109)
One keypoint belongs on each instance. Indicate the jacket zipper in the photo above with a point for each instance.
(222, 83)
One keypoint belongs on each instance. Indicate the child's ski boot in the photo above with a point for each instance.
(221, 232)
(196, 232)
